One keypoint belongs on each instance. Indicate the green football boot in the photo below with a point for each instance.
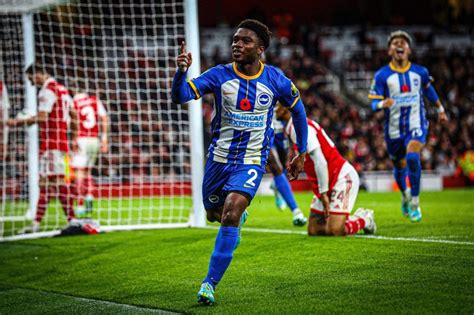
(206, 294)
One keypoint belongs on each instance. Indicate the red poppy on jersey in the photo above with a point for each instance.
(245, 104)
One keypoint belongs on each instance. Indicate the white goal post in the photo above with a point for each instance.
(123, 52)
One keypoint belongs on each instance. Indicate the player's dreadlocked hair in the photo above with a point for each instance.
(259, 28)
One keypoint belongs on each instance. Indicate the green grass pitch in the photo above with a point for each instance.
(417, 268)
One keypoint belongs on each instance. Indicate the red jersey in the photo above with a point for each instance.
(89, 110)
(54, 99)
(317, 138)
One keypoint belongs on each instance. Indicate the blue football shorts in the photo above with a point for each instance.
(220, 179)
(397, 147)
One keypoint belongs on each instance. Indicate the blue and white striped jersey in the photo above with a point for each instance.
(243, 109)
(406, 87)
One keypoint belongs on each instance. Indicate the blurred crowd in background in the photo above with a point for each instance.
(356, 130)
(149, 136)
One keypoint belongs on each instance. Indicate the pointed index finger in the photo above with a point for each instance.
(183, 47)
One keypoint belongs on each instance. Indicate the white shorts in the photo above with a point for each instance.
(343, 195)
(86, 154)
(52, 163)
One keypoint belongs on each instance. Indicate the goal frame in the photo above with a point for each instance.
(197, 214)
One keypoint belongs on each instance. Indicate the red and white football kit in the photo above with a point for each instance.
(341, 182)
(90, 110)
(54, 99)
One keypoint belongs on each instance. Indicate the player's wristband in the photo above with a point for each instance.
(380, 105)
(440, 109)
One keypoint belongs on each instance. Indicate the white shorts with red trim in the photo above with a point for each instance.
(86, 155)
(52, 163)
(343, 195)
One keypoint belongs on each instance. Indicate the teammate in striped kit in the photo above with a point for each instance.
(245, 92)
(335, 184)
(398, 88)
(55, 109)
(93, 121)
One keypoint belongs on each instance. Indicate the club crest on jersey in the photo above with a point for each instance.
(294, 91)
(415, 133)
(214, 198)
(264, 99)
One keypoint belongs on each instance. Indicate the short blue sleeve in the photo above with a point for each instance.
(377, 90)
(206, 83)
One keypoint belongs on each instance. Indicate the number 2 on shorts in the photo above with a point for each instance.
(253, 173)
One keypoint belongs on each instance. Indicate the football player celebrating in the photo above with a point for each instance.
(245, 92)
(335, 184)
(398, 88)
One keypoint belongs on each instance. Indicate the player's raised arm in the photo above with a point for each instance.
(184, 59)
(181, 91)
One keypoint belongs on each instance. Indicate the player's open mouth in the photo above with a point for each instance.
(237, 53)
(400, 51)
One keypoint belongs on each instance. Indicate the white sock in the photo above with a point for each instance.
(406, 193)
(296, 212)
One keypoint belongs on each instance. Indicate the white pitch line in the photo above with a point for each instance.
(414, 239)
(126, 307)
(375, 237)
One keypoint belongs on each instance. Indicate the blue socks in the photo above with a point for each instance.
(400, 175)
(222, 254)
(283, 186)
(414, 172)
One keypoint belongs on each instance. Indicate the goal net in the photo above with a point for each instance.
(123, 52)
